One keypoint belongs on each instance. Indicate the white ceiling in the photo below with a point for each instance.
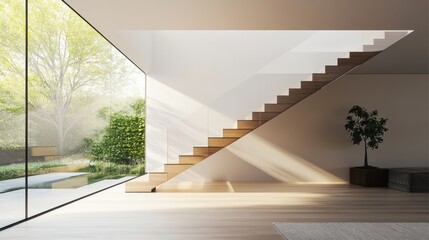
(121, 22)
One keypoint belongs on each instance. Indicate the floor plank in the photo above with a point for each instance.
(203, 211)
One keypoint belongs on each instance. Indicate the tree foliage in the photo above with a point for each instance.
(365, 126)
(69, 63)
(122, 140)
(12, 65)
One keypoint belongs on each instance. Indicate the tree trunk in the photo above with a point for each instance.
(366, 155)
(60, 133)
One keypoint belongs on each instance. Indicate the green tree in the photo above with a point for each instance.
(12, 65)
(122, 141)
(68, 61)
(367, 127)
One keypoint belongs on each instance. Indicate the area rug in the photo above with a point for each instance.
(353, 231)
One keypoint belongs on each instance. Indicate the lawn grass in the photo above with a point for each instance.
(18, 169)
(98, 170)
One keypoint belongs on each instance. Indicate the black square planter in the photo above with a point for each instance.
(369, 177)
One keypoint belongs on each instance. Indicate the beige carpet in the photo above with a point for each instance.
(353, 231)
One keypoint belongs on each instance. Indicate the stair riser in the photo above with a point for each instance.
(190, 159)
(302, 91)
(290, 99)
(220, 142)
(351, 61)
(158, 177)
(338, 69)
(139, 187)
(238, 133)
(264, 116)
(312, 84)
(205, 151)
(248, 124)
(366, 55)
(276, 107)
(174, 169)
(324, 78)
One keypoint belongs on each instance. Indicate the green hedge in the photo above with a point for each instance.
(122, 141)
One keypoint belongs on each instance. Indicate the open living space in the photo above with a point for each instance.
(247, 119)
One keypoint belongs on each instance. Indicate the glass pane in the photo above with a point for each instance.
(86, 122)
(12, 107)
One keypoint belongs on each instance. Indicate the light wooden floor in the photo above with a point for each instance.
(241, 211)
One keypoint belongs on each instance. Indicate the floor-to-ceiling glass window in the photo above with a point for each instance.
(86, 110)
(12, 108)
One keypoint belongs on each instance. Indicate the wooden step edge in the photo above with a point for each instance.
(249, 124)
(191, 155)
(333, 75)
(339, 69)
(157, 173)
(303, 91)
(309, 84)
(191, 160)
(237, 131)
(277, 107)
(215, 138)
(364, 54)
(179, 164)
(263, 114)
(205, 147)
(158, 176)
(351, 61)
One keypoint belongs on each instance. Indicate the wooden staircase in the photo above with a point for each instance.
(150, 181)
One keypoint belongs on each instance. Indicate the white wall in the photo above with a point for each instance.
(308, 142)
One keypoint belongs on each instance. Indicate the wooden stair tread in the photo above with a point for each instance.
(312, 84)
(141, 184)
(264, 116)
(236, 132)
(205, 150)
(158, 176)
(277, 107)
(303, 91)
(190, 155)
(290, 99)
(223, 138)
(339, 69)
(364, 54)
(191, 159)
(221, 141)
(177, 164)
(249, 124)
(326, 76)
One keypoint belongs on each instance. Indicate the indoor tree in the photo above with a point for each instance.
(367, 127)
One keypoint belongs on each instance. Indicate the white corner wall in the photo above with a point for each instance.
(308, 142)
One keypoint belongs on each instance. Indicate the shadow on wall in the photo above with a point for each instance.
(308, 143)
(280, 164)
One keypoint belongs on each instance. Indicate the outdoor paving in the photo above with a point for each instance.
(17, 183)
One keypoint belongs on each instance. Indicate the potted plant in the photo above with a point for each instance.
(366, 127)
